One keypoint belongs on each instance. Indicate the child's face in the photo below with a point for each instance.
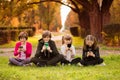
(23, 39)
(67, 41)
(89, 42)
(46, 39)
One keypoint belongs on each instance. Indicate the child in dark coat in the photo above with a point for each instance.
(91, 54)
(47, 53)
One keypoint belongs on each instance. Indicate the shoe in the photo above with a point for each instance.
(9, 63)
(30, 64)
(102, 64)
(79, 64)
(62, 64)
(69, 64)
(41, 65)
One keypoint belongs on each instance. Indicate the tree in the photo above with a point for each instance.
(10, 9)
(95, 15)
(90, 13)
(47, 13)
(115, 12)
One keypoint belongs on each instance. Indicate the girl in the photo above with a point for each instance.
(23, 50)
(91, 54)
(68, 50)
(47, 53)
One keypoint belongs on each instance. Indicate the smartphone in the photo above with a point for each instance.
(46, 44)
(68, 45)
(21, 47)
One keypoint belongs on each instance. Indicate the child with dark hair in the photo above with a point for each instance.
(91, 54)
(68, 51)
(23, 51)
(47, 53)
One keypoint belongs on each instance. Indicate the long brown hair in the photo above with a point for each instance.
(66, 37)
(92, 38)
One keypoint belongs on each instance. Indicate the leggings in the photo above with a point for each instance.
(19, 62)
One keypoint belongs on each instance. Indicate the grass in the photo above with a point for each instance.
(109, 72)
(8, 45)
(77, 41)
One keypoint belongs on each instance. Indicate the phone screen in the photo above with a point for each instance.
(46, 44)
(68, 45)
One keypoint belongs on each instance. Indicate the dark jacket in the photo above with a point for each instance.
(46, 54)
(95, 51)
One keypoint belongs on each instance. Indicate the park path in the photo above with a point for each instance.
(8, 52)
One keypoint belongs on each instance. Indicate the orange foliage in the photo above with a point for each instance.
(14, 22)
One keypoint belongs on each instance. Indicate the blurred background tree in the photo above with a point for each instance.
(90, 16)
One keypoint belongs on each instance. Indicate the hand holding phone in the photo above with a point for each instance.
(68, 45)
(46, 44)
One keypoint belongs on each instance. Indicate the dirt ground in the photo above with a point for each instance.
(8, 52)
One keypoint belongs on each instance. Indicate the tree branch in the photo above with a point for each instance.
(85, 3)
(106, 4)
(57, 1)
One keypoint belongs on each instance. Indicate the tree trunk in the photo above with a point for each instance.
(96, 23)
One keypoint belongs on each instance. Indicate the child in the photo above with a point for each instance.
(91, 54)
(23, 50)
(68, 50)
(47, 53)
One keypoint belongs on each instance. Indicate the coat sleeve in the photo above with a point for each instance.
(84, 55)
(73, 50)
(29, 50)
(62, 49)
(96, 52)
(38, 51)
(54, 48)
(16, 49)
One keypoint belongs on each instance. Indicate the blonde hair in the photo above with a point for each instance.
(66, 37)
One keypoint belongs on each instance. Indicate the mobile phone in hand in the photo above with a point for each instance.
(68, 45)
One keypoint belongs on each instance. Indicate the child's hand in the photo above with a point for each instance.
(20, 49)
(68, 49)
(43, 48)
(72, 56)
(23, 50)
(90, 53)
(49, 49)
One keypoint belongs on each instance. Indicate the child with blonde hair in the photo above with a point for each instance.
(68, 50)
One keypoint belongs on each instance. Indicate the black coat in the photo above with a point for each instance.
(46, 54)
(95, 51)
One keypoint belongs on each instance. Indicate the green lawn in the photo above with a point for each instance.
(109, 72)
